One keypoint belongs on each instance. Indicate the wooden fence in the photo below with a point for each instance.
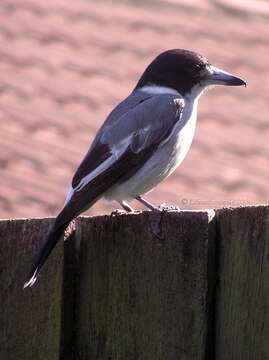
(149, 286)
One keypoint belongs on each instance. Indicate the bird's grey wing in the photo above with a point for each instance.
(100, 149)
(123, 146)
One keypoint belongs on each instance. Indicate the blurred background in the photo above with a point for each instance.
(65, 64)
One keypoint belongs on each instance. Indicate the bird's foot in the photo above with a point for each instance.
(165, 207)
(127, 209)
(119, 212)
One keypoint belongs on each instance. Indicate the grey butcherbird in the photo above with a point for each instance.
(143, 139)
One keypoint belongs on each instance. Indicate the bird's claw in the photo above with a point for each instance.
(165, 207)
(118, 212)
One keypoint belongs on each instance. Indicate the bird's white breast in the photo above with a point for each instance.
(180, 142)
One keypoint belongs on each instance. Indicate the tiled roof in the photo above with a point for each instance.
(65, 64)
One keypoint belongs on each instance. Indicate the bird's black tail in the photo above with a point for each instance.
(79, 202)
(53, 238)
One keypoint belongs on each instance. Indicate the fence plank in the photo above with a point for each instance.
(143, 286)
(30, 319)
(242, 298)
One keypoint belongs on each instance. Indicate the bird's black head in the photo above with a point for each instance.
(183, 69)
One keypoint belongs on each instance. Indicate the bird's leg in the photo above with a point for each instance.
(162, 207)
(147, 204)
(127, 208)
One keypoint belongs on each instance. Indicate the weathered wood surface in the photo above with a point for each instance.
(29, 320)
(143, 286)
(242, 296)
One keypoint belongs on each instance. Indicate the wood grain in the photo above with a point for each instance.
(242, 297)
(143, 286)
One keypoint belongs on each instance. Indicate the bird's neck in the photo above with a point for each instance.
(159, 90)
(190, 97)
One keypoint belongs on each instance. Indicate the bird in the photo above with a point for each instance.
(141, 142)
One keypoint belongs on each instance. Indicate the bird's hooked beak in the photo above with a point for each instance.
(221, 77)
